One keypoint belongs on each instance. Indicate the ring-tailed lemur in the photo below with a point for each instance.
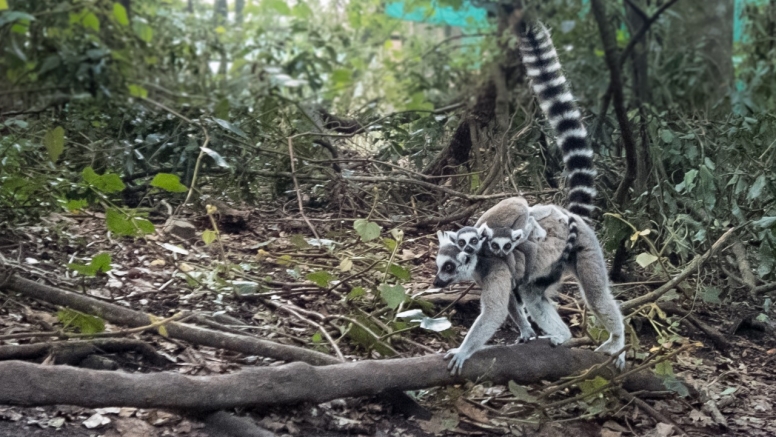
(570, 246)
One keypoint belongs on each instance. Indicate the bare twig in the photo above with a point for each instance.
(296, 187)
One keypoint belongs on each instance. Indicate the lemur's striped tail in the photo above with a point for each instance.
(557, 103)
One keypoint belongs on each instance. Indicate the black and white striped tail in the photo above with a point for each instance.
(557, 103)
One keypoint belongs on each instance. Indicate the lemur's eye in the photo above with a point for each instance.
(473, 240)
(494, 246)
(448, 267)
(507, 246)
(462, 242)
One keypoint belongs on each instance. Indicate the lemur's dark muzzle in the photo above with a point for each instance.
(439, 283)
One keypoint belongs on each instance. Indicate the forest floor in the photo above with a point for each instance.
(736, 388)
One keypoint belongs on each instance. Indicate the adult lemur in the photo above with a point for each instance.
(570, 243)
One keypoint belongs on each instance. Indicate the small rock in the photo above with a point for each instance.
(182, 229)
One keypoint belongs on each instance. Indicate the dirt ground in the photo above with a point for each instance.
(735, 387)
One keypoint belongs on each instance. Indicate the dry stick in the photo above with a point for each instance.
(120, 333)
(296, 187)
(764, 288)
(353, 276)
(657, 415)
(691, 267)
(318, 327)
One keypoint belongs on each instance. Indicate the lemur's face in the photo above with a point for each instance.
(501, 246)
(501, 241)
(453, 264)
(469, 239)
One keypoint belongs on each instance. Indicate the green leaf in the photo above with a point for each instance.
(392, 295)
(521, 393)
(301, 10)
(120, 14)
(127, 225)
(221, 111)
(143, 31)
(85, 323)
(168, 182)
(145, 226)
(676, 386)
(418, 103)
(90, 21)
(588, 386)
(137, 91)
(76, 204)
(317, 337)
(299, 241)
(664, 368)
(399, 272)
(230, 127)
(118, 223)
(367, 230)
(341, 76)
(320, 278)
(209, 236)
(54, 140)
(711, 295)
(101, 262)
(356, 293)
(107, 183)
(667, 136)
(645, 259)
(757, 188)
(765, 222)
(3, 5)
(390, 244)
(279, 6)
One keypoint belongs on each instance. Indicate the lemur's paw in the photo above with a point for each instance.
(457, 358)
(611, 347)
(526, 336)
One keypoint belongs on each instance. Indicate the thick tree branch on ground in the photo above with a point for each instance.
(31, 384)
(615, 74)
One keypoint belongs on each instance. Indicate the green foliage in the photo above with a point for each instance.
(54, 140)
(127, 223)
(85, 323)
(209, 236)
(168, 182)
(320, 278)
(392, 295)
(367, 230)
(107, 183)
(100, 263)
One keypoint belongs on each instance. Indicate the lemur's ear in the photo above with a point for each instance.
(485, 230)
(444, 237)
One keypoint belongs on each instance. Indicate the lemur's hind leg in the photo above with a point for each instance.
(593, 282)
(543, 312)
(519, 318)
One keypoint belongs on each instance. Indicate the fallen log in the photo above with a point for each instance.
(28, 384)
